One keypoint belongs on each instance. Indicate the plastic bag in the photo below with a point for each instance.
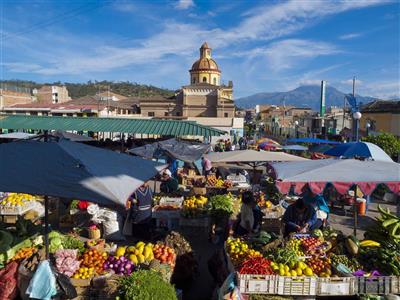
(228, 290)
(43, 283)
(8, 281)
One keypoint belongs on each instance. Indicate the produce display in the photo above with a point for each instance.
(24, 253)
(83, 273)
(138, 254)
(194, 206)
(212, 180)
(120, 265)
(221, 205)
(67, 261)
(91, 258)
(17, 200)
(164, 254)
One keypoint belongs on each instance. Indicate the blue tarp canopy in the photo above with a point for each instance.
(359, 149)
(295, 148)
(311, 141)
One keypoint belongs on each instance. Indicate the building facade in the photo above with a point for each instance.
(10, 97)
(52, 94)
(381, 115)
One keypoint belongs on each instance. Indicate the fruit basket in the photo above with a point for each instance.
(380, 285)
(257, 284)
(336, 286)
(296, 286)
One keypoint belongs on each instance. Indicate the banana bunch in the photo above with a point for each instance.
(219, 182)
(369, 243)
(390, 222)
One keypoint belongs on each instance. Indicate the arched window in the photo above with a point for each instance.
(194, 80)
(204, 79)
(215, 81)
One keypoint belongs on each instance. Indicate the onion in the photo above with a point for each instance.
(111, 266)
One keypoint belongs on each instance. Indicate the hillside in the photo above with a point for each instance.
(303, 96)
(77, 90)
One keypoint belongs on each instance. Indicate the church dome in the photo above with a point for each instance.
(205, 63)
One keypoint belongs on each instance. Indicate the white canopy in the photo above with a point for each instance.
(251, 156)
(342, 173)
(17, 135)
(72, 170)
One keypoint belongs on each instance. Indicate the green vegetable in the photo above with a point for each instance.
(6, 240)
(145, 285)
(221, 205)
(70, 242)
(351, 247)
(24, 244)
(55, 234)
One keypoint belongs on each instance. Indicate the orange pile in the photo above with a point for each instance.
(24, 253)
(94, 259)
(164, 254)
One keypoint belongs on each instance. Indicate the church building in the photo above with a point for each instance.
(205, 96)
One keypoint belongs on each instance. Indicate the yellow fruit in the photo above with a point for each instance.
(133, 259)
(138, 244)
(299, 272)
(140, 258)
(288, 273)
(76, 276)
(287, 269)
(147, 252)
(130, 249)
(293, 272)
(308, 271)
(120, 251)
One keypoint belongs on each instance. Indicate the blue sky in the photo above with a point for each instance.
(263, 46)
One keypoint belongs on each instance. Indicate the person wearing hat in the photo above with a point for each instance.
(169, 184)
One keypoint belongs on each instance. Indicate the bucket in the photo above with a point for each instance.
(362, 206)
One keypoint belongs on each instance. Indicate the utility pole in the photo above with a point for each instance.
(354, 85)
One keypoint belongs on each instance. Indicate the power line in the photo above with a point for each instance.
(62, 17)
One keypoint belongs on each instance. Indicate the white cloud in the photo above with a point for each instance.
(350, 82)
(124, 6)
(182, 40)
(389, 89)
(184, 4)
(350, 36)
(285, 54)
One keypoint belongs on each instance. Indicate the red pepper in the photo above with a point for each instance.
(256, 265)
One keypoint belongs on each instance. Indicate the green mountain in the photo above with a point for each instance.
(76, 90)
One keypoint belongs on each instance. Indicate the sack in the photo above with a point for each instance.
(8, 281)
(112, 231)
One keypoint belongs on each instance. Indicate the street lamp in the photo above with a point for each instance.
(296, 126)
(367, 127)
(357, 116)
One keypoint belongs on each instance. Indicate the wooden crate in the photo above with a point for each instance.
(257, 284)
(380, 285)
(395, 284)
(336, 286)
(80, 282)
(199, 190)
(296, 286)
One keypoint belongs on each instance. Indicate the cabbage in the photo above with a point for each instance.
(55, 234)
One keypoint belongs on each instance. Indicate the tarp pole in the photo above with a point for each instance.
(46, 225)
(355, 211)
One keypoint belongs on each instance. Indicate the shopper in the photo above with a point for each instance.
(319, 204)
(298, 217)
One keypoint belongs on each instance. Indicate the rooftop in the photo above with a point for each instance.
(390, 106)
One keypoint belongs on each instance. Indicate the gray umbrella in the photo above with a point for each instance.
(72, 170)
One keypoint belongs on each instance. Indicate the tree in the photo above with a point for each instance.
(387, 141)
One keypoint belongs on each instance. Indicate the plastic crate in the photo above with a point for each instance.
(336, 286)
(257, 284)
(380, 285)
(296, 286)
(18, 210)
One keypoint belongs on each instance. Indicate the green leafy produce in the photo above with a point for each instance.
(145, 285)
(70, 242)
(282, 255)
(55, 234)
(221, 205)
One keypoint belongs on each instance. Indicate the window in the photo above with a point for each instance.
(178, 113)
(166, 114)
(204, 79)
(150, 114)
(225, 115)
(215, 81)
(193, 80)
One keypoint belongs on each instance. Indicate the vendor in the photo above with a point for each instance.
(140, 211)
(299, 217)
(206, 166)
(250, 216)
(319, 204)
(169, 184)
